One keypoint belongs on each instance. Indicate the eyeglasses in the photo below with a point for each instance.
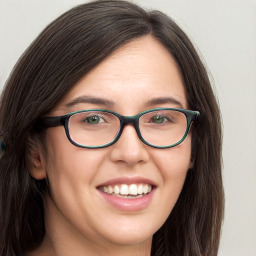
(99, 128)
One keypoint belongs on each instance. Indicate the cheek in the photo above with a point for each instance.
(63, 166)
(71, 172)
(174, 162)
(173, 165)
(71, 169)
(65, 158)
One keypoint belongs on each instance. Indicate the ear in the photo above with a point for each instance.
(37, 159)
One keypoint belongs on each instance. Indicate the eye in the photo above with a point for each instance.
(159, 119)
(94, 119)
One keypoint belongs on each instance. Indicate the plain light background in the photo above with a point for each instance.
(225, 33)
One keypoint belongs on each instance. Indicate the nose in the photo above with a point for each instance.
(129, 149)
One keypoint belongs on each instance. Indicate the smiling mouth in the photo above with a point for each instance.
(127, 191)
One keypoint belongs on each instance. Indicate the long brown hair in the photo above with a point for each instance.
(63, 53)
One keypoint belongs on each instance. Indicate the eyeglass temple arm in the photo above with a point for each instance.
(52, 121)
(196, 115)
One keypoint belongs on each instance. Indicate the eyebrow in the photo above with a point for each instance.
(110, 103)
(90, 99)
(164, 100)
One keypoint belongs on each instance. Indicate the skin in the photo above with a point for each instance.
(78, 219)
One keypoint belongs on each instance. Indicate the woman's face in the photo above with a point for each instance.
(139, 76)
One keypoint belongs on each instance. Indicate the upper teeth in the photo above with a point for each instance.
(124, 189)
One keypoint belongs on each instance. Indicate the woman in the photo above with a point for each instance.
(99, 158)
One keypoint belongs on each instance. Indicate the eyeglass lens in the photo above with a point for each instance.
(96, 128)
(163, 128)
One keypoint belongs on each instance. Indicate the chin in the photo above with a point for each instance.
(132, 234)
(124, 239)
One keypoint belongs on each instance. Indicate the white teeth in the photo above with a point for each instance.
(133, 189)
(116, 189)
(140, 189)
(126, 190)
(145, 188)
(110, 190)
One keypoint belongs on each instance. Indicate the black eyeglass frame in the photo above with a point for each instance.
(54, 121)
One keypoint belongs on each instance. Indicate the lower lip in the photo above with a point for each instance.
(129, 204)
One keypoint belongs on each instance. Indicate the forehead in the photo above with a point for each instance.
(136, 73)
